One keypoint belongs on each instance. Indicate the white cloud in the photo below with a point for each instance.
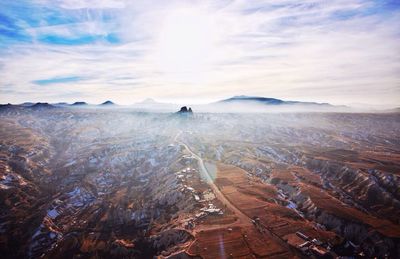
(327, 51)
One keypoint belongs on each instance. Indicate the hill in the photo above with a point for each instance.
(266, 101)
(79, 103)
(107, 103)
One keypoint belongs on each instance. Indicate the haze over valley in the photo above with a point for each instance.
(117, 183)
(212, 129)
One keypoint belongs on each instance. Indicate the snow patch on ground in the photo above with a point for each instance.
(52, 213)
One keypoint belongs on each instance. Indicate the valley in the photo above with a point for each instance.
(119, 183)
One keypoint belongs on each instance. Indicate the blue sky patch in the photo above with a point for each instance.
(60, 40)
(57, 80)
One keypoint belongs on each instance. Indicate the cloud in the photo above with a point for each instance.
(326, 51)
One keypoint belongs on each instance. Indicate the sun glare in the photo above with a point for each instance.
(186, 45)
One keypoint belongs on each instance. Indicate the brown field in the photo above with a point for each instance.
(220, 243)
(283, 175)
(251, 198)
(236, 242)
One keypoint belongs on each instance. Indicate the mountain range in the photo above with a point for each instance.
(241, 103)
(265, 101)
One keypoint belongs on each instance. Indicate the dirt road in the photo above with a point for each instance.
(244, 219)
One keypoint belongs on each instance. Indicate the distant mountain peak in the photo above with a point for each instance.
(148, 101)
(108, 103)
(79, 103)
(266, 101)
(245, 97)
(27, 104)
(151, 100)
(42, 106)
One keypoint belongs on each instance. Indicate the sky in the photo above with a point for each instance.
(337, 51)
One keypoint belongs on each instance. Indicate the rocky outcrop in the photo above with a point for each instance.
(185, 110)
(170, 238)
(371, 242)
(374, 190)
